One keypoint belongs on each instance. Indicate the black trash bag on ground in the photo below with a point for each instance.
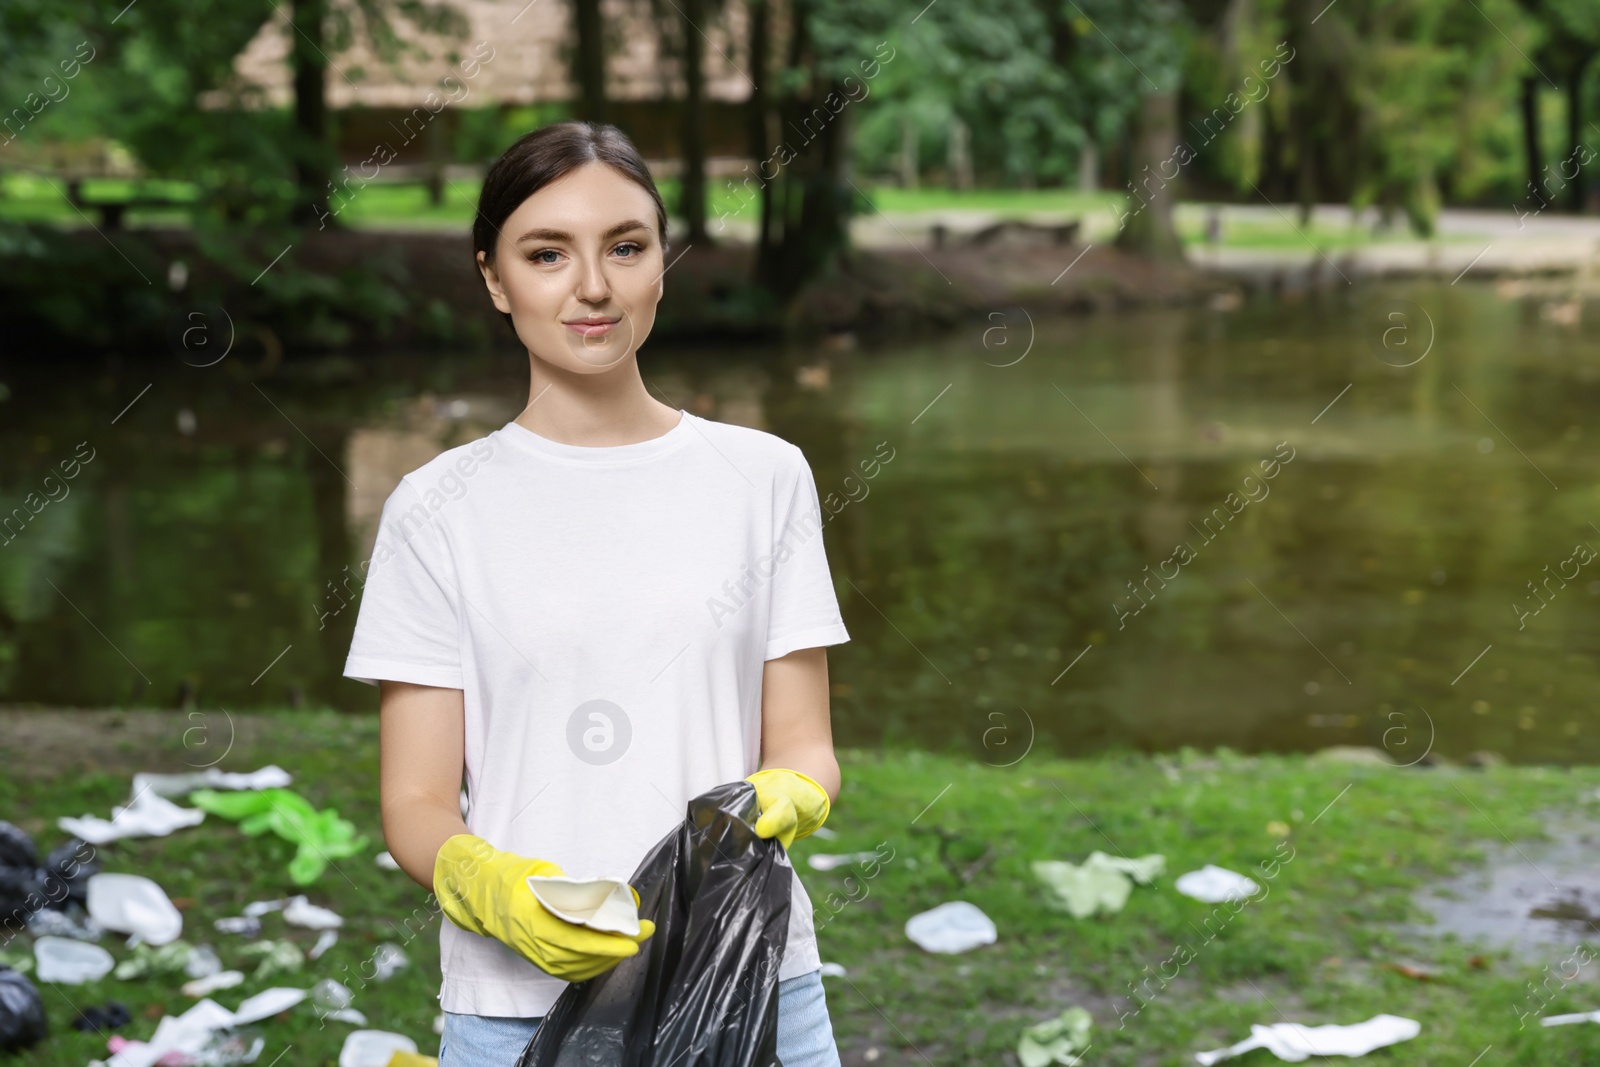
(114, 1014)
(21, 1012)
(67, 870)
(26, 885)
(703, 990)
(19, 871)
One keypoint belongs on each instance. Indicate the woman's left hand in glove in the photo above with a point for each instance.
(793, 804)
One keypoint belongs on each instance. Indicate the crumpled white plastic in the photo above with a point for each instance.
(133, 904)
(1294, 1043)
(178, 785)
(192, 1031)
(823, 861)
(954, 926)
(301, 912)
(148, 815)
(1215, 885)
(61, 959)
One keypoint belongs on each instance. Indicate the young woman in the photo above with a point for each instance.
(600, 610)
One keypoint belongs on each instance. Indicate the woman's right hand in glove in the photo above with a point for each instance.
(484, 890)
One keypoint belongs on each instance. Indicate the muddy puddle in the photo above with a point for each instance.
(1536, 899)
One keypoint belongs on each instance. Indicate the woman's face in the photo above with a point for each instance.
(578, 267)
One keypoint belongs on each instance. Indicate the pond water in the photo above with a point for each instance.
(1049, 555)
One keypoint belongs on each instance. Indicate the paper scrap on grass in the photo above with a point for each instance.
(1100, 883)
(188, 1034)
(148, 815)
(823, 861)
(1215, 885)
(176, 785)
(1059, 1040)
(954, 926)
(1294, 1043)
(135, 905)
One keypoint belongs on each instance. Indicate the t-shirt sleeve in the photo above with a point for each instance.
(805, 609)
(408, 626)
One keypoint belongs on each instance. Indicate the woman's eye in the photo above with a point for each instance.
(539, 256)
(628, 249)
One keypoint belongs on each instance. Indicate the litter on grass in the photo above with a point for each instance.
(1215, 885)
(193, 1035)
(1100, 883)
(373, 1048)
(277, 957)
(171, 958)
(822, 861)
(301, 912)
(388, 959)
(114, 1014)
(387, 861)
(75, 924)
(133, 904)
(204, 987)
(325, 940)
(1060, 1040)
(248, 925)
(320, 836)
(954, 926)
(178, 785)
(1294, 1043)
(22, 1021)
(1567, 1020)
(148, 815)
(27, 884)
(833, 970)
(69, 962)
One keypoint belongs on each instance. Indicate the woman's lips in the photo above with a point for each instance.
(593, 329)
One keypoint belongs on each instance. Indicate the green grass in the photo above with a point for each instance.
(27, 198)
(1314, 946)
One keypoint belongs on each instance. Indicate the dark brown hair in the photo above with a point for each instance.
(541, 157)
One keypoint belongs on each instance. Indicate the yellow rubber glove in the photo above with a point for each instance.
(484, 890)
(793, 805)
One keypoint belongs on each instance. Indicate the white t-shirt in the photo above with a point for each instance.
(607, 612)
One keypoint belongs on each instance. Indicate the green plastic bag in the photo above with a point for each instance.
(1100, 884)
(321, 835)
(1059, 1040)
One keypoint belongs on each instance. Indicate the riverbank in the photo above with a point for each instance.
(150, 290)
(1341, 845)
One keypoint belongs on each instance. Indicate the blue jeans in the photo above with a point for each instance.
(805, 1034)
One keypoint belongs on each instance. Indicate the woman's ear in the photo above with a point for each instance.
(491, 280)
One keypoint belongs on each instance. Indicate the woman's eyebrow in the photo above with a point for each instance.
(561, 235)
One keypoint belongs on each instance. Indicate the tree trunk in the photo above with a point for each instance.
(1088, 168)
(1530, 135)
(589, 61)
(1575, 189)
(760, 150)
(1147, 228)
(909, 136)
(692, 201)
(960, 155)
(312, 164)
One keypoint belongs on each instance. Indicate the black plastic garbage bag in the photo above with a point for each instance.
(703, 990)
(67, 870)
(21, 1012)
(26, 885)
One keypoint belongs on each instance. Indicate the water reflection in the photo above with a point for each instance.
(1418, 555)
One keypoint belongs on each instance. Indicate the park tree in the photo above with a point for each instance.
(1568, 33)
